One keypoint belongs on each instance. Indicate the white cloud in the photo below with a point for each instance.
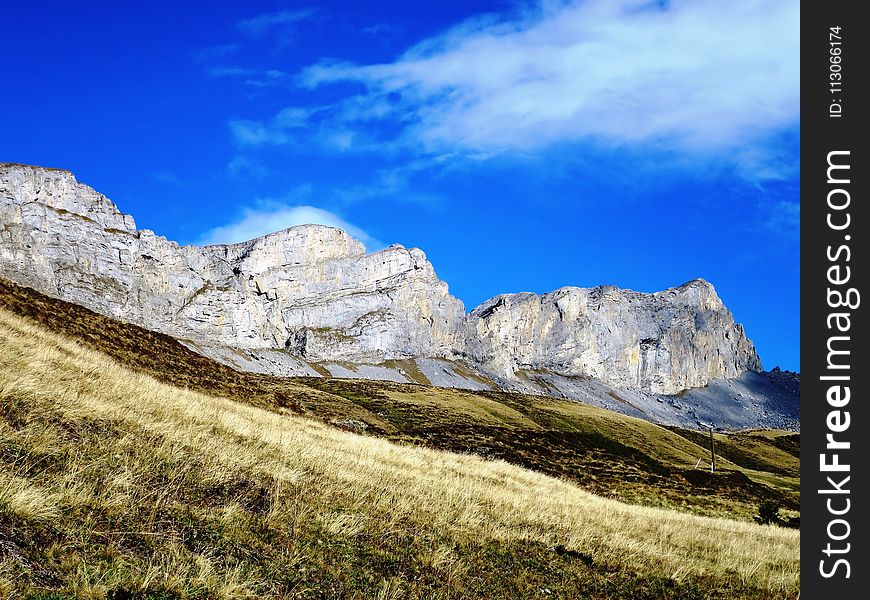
(262, 23)
(269, 217)
(697, 75)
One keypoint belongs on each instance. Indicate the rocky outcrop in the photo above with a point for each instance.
(308, 298)
(664, 342)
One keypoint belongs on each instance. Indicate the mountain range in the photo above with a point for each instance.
(310, 301)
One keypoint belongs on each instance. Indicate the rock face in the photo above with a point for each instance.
(294, 299)
(664, 342)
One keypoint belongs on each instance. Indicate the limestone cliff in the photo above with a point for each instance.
(664, 342)
(311, 290)
(311, 294)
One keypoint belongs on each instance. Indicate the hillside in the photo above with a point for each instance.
(152, 472)
(607, 453)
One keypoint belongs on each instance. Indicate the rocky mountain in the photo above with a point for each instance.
(311, 290)
(664, 342)
(310, 301)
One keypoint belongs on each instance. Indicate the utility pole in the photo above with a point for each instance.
(712, 453)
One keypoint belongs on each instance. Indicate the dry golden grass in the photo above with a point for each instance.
(23, 500)
(364, 484)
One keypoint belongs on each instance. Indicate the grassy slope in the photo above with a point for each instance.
(606, 452)
(114, 484)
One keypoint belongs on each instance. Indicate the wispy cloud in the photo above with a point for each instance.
(276, 131)
(260, 24)
(268, 216)
(766, 163)
(292, 124)
(254, 77)
(697, 75)
(645, 88)
(241, 167)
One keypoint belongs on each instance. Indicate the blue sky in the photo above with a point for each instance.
(523, 145)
